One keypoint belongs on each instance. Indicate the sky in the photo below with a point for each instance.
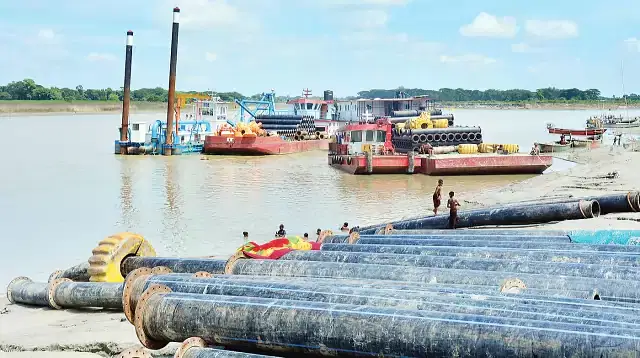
(253, 46)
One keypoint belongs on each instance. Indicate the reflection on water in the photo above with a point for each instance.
(57, 205)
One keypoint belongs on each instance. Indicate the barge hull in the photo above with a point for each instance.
(382, 164)
(486, 164)
(223, 145)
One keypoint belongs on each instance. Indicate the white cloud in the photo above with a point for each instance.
(207, 14)
(524, 47)
(364, 2)
(101, 57)
(633, 44)
(367, 19)
(210, 56)
(46, 34)
(552, 29)
(487, 25)
(468, 59)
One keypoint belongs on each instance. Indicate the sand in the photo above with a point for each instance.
(108, 333)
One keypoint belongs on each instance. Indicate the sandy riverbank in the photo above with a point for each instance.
(22, 108)
(108, 333)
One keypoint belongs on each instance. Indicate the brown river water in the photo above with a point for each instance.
(62, 190)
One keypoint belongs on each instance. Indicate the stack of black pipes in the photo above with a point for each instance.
(287, 125)
(417, 293)
(412, 139)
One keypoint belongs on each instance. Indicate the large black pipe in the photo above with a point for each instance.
(626, 249)
(543, 239)
(616, 203)
(314, 327)
(482, 264)
(440, 289)
(203, 352)
(512, 215)
(491, 232)
(175, 264)
(490, 304)
(610, 288)
(75, 273)
(516, 254)
(63, 293)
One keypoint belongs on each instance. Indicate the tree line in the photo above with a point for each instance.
(550, 94)
(28, 89)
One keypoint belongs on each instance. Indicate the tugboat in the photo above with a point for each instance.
(208, 113)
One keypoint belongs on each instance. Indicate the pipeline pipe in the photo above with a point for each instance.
(126, 95)
(533, 267)
(482, 232)
(464, 236)
(64, 293)
(172, 82)
(512, 215)
(610, 288)
(175, 264)
(614, 203)
(511, 288)
(626, 249)
(75, 273)
(491, 304)
(196, 347)
(516, 254)
(306, 327)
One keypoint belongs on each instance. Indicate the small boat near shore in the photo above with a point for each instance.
(553, 147)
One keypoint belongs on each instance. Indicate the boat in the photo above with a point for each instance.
(579, 132)
(398, 109)
(263, 130)
(553, 147)
(366, 147)
(206, 116)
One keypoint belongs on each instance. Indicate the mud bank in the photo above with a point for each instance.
(11, 108)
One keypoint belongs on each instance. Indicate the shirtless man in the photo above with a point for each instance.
(453, 204)
(437, 197)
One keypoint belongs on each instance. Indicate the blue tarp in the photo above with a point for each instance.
(602, 237)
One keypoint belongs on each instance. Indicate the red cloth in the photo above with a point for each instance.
(274, 255)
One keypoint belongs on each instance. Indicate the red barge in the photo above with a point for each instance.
(264, 131)
(366, 148)
(232, 145)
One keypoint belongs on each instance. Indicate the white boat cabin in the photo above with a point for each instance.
(352, 110)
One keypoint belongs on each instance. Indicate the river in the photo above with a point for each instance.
(63, 190)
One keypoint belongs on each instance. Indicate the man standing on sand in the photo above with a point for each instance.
(453, 204)
(437, 197)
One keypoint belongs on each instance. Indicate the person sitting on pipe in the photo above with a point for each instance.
(245, 235)
(282, 232)
(318, 234)
(453, 204)
(345, 227)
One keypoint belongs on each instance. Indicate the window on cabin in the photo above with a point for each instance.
(296, 106)
(135, 127)
(356, 136)
(369, 136)
(381, 136)
(309, 105)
